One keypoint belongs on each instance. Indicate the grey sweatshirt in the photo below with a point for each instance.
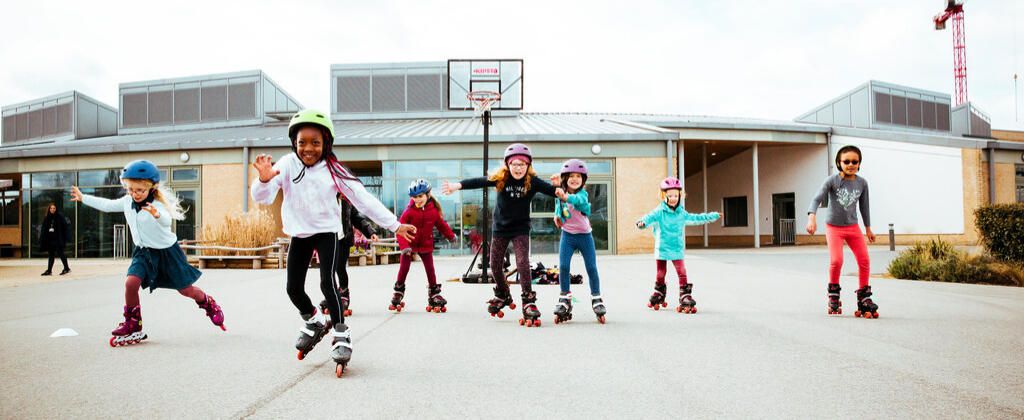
(843, 195)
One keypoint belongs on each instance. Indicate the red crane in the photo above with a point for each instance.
(955, 10)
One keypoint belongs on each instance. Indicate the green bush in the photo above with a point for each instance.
(1002, 230)
(938, 260)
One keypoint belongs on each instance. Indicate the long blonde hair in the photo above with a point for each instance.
(161, 193)
(502, 175)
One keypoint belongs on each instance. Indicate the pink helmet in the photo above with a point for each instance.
(518, 150)
(671, 183)
(574, 166)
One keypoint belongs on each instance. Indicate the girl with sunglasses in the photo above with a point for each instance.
(846, 192)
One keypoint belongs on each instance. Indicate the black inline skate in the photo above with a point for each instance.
(531, 316)
(396, 301)
(563, 309)
(834, 305)
(316, 326)
(599, 309)
(865, 306)
(686, 303)
(435, 302)
(658, 298)
(341, 347)
(502, 298)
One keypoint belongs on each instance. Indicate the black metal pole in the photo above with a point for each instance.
(485, 250)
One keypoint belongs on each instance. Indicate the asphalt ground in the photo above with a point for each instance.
(760, 346)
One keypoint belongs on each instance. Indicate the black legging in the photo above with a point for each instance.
(299, 254)
(57, 251)
(341, 262)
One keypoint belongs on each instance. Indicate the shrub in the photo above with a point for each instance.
(254, 229)
(1001, 227)
(938, 260)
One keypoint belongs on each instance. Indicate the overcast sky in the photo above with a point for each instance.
(761, 59)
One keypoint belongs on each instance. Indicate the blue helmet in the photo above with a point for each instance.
(141, 169)
(419, 186)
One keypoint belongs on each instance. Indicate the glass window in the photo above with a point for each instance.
(190, 174)
(185, 229)
(387, 169)
(1020, 183)
(387, 197)
(53, 179)
(474, 168)
(603, 167)
(98, 178)
(735, 211)
(547, 168)
(427, 169)
(163, 175)
(542, 203)
(599, 214)
(9, 207)
(472, 226)
(95, 236)
(544, 236)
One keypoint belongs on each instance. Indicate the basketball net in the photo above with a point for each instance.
(482, 101)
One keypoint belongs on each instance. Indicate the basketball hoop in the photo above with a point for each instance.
(482, 100)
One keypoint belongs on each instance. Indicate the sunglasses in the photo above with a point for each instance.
(850, 162)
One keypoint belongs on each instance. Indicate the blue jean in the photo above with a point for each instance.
(584, 242)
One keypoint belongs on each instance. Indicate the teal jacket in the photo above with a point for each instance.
(580, 201)
(669, 232)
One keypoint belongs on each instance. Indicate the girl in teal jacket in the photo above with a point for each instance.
(669, 221)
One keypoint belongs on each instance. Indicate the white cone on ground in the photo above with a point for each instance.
(64, 332)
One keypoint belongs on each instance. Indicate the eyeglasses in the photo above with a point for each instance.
(139, 191)
(518, 165)
(850, 162)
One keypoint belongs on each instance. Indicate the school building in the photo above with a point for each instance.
(929, 164)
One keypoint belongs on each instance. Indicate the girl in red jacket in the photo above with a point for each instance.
(424, 212)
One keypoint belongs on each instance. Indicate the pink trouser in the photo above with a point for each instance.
(133, 283)
(853, 237)
(663, 269)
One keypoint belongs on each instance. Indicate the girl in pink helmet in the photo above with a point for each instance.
(572, 214)
(516, 183)
(669, 221)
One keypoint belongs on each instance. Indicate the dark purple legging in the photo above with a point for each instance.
(663, 269)
(428, 266)
(521, 245)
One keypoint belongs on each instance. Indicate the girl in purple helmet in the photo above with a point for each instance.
(516, 183)
(669, 221)
(572, 212)
(158, 261)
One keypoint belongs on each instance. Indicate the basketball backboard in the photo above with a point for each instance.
(502, 76)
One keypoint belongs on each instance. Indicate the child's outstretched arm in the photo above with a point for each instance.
(264, 190)
(447, 188)
(374, 209)
(543, 186)
(646, 220)
(701, 218)
(101, 204)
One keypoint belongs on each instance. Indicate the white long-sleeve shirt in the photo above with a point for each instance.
(311, 205)
(147, 231)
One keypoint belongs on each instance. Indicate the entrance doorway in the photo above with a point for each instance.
(784, 219)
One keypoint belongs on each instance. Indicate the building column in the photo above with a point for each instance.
(757, 204)
(704, 176)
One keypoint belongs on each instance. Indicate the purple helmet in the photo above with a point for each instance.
(574, 166)
(671, 183)
(518, 150)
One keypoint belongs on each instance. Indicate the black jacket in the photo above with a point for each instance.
(512, 208)
(59, 237)
(350, 218)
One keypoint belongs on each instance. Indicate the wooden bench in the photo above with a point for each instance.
(257, 260)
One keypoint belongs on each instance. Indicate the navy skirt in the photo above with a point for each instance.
(166, 268)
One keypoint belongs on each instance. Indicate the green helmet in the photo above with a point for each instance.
(310, 116)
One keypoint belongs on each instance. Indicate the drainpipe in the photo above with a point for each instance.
(668, 157)
(245, 179)
(991, 174)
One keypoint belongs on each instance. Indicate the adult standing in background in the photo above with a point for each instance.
(54, 235)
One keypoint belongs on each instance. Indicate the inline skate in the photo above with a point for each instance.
(563, 309)
(341, 348)
(686, 303)
(316, 326)
(435, 302)
(834, 305)
(502, 298)
(865, 306)
(531, 316)
(396, 301)
(599, 309)
(658, 298)
(129, 331)
(213, 311)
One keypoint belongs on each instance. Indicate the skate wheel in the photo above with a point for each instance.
(664, 304)
(339, 370)
(536, 323)
(326, 311)
(302, 355)
(657, 307)
(428, 309)
(398, 309)
(650, 305)
(600, 319)
(444, 309)
(112, 342)
(500, 314)
(437, 310)
(391, 307)
(402, 304)
(511, 306)
(348, 312)
(522, 321)
(856, 314)
(679, 309)
(876, 315)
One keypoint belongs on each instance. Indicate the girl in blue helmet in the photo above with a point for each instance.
(572, 212)
(424, 212)
(310, 179)
(158, 261)
(516, 183)
(669, 221)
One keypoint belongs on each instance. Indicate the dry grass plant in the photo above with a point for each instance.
(254, 229)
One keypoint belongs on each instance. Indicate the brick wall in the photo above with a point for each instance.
(1006, 182)
(636, 192)
(222, 191)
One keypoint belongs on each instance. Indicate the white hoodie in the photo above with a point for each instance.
(311, 205)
